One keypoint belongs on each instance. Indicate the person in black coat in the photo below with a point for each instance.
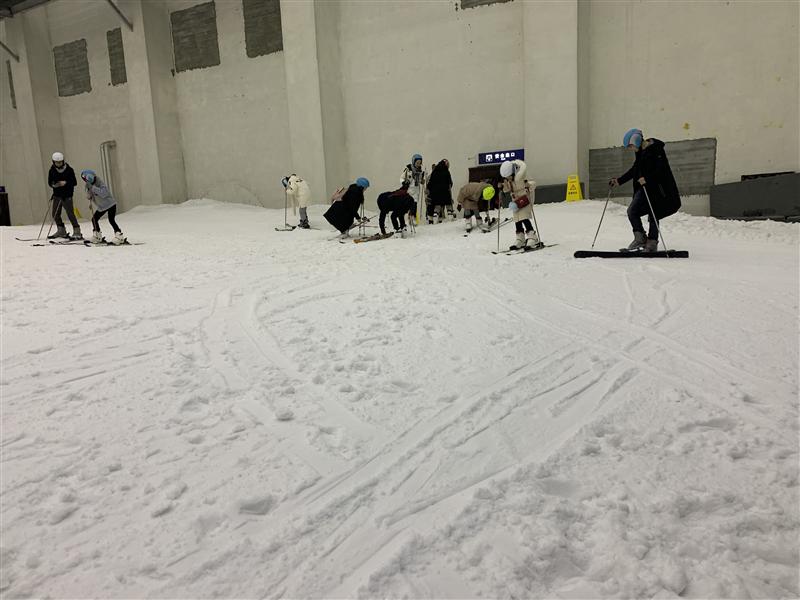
(345, 212)
(61, 178)
(651, 170)
(440, 195)
(398, 203)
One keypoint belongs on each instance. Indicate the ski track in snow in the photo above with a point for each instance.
(278, 415)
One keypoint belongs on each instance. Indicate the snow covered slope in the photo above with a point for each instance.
(230, 411)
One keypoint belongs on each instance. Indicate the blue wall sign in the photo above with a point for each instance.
(489, 158)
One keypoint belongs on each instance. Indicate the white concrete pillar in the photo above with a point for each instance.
(551, 109)
(298, 21)
(38, 111)
(153, 102)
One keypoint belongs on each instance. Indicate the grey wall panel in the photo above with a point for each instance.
(768, 197)
(116, 57)
(72, 68)
(545, 194)
(693, 163)
(262, 27)
(194, 37)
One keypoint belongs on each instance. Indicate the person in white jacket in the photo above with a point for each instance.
(414, 177)
(521, 205)
(299, 194)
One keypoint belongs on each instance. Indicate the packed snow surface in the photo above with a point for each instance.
(231, 411)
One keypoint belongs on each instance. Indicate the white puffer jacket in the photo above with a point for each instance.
(298, 192)
(521, 187)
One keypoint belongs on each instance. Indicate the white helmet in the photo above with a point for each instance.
(58, 157)
(506, 169)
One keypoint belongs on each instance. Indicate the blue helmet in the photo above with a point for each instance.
(415, 158)
(633, 136)
(88, 175)
(362, 182)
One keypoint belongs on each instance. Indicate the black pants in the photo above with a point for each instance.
(111, 212)
(637, 209)
(66, 204)
(523, 225)
(398, 220)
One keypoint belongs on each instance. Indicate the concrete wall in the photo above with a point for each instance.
(234, 119)
(360, 86)
(103, 114)
(685, 70)
(422, 77)
(12, 161)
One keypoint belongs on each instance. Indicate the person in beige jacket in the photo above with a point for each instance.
(468, 198)
(299, 195)
(522, 195)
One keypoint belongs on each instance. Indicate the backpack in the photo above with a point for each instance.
(337, 195)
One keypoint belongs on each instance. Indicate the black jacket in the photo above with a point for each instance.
(67, 175)
(396, 202)
(652, 164)
(440, 185)
(342, 213)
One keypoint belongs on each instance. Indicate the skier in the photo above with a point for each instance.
(414, 174)
(468, 198)
(440, 193)
(61, 178)
(650, 168)
(101, 202)
(300, 194)
(344, 212)
(521, 205)
(399, 204)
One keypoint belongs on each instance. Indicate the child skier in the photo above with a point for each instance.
(521, 205)
(399, 204)
(344, 212)
(468, 198)
(414, 175)
(650, 168)
(299, 193)
(101, 202)
(61, 178)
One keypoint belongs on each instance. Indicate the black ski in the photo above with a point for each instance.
(525, 249)
(62, 242)
(373, 238)
(286, 228)
(631, 254)
(104, 243)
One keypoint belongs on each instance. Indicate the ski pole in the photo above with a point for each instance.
(601, 217)
(532, 196)
(47, 212)
(653, 215)
(285, 204)
(57, 211)
(499, 223)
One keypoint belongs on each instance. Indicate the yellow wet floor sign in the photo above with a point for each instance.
(573, 189)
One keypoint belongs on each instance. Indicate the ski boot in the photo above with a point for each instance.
(532, 240)
(468, 225)
(60, 233)
(638, 241)
(304, 225)
(519, 244)
(76, 234)
(97, 238)
(119, 238)
(651, 245)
